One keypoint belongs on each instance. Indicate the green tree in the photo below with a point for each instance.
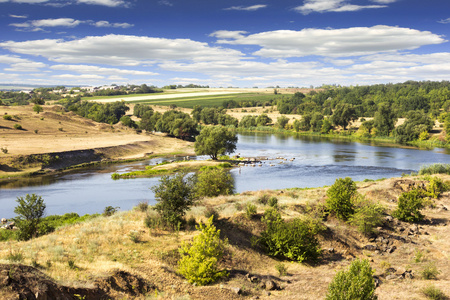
(316, 121)
(263, 120)
(343, 115)
(213, 181)
(326, 126)
(30, 211)
(37, 108)
(174, 195)
(214, 141)
(367, 216)
(199, 260)
(341, 196)
(416, 123)
(384, 120)
(127, 121)
(248, 121)
(282, 122)
(409, 206)
(356, 283)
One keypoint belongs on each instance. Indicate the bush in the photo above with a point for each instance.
(213, 181)
(430, 271)
(175, 195)
(367, 216)
(273, 202)
(30, 211)
(18, 126)
(264, 199)
(281, 268)
(199, 261)
(435, 169)
(109, 211)
(409, 206)
(355, 283)
(7, 117)
(295, 240)
(250, 210)
(340, 198)
(142, 206)
(434, 293)
(211, 212)
(37, 108)
(436, 186)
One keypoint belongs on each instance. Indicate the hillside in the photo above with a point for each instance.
(120, 258)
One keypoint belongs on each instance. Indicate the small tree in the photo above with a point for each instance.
(282, 121)
(409, 206)
(355, 283)
(199, 261)
(30, 211)
(214, 141)
(367, 216)
(213, 181)
(175, 195)
(37, 108)
(340, 198)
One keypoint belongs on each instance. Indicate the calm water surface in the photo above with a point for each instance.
(317, 162)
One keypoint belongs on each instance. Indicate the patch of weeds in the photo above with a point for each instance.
(238, 206)
(134, 236)
(4, 150)
(434, 293)
(48, 264)
(109, 211)
(18, 126)
(191, 223)
(15, 256)
(263, 199)
(430, 271)
(211, 212)
(281, 268)
(273, 202)
(418, 256)
(71, 264)
(250, 210)
(142, 206)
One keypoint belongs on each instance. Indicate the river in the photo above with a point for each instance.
(310, 162)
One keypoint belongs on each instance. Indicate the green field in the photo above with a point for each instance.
(208, 101)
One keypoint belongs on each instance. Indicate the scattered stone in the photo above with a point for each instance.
(236, 290)
(4, 220)
(392, 277)
(389, 219)
(370, 247)
(391, 270)
(377, 281)
(331, 250)
(372, 239)
(391, 249)
(270, 285)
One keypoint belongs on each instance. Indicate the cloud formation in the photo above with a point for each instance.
(345, 42)
(109, 3)
(38, 25)
(322, 6)
(247, 8)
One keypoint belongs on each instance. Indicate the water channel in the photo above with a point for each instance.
(310, 162)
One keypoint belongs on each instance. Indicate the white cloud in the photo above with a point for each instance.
(321, 6)
(110, 3)
(384, 1)
(115, 25)
(63, 22)
(72, 76)
(121, 50)
(225, 34)
(165, 2)
(100, 70)
(247, 8)
(58, 3)
(445, 21)
(334, 42)
(17, 16)
(28, 66)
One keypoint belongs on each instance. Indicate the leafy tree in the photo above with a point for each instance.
(148, 120)
(140, 109)
(214, 141)
(227, 120)
(384, 120)
(305, 122)
(174, 195)
(248, 121)
(355, 283)
(316, 121)
(409, 206)
(367, 216)
(294, 240)
(343, 115)
(282, 121)
(326, 126)
(199, 260)
(296, 125)
(30, 211)
(416, 123)
(196, 113)
(37, 108)
(177, 124)
(341, 196)
(263, 120)
(213, 181)
(127, 121)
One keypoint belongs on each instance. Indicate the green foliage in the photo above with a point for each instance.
(282, 122)
(263, 120)
(416, 123)
(326, 126)
(281, 268)
(8, 235)
(18, 126)
(109, 211)
(367, 216)
(214, 141)
(211, 212)
(212, 182)
(37, 108)
(355, 283)
(127, 121)
(142, 206)
(105, 113)
(435, 169)
(15, 256)
(248, 121)
(175, 195)
(430, 271)
(434, 293)
(436, 186)
(30, 211)
(177, 124)
(273, 202)
(340, 198)
(7, 117)
(295, 240)
(199, 260)
(250, 210)
(140, 110)
(264, 199)
(409, 206)
(384, 120)
(50, 223)
(343, 115)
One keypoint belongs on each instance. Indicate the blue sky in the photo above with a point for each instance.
(222, 43)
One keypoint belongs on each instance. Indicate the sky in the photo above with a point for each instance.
(223, 43)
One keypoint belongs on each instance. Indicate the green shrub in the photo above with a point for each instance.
(7, 117)
(250, 210)
(295, 240)
(436, 186)
(355, 283)
(264, 199)
(367, 216)
(409, 206)
(434, 293)
(18, 126)
(199, 260)
(211, 212)
(142, 206)
(430, 271)
(30, 211)
(212, 182)
(153, 220)
(174, 196)
(435, 169)
(281, 268)
(109, 211)
(4, 150)
(15, 256)
(340, 198)
(273, 202)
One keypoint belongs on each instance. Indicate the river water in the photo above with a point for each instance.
(309, 162)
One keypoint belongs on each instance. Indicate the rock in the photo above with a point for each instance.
(390, 270)
(391, 249)
(270, 285)
(4, 220)
(331, 250)
(389, 219)
(236, 290)
(4, 278)
(372, 239)
(370, 247)
(408, 275)
(377, 281)
(392, 277)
